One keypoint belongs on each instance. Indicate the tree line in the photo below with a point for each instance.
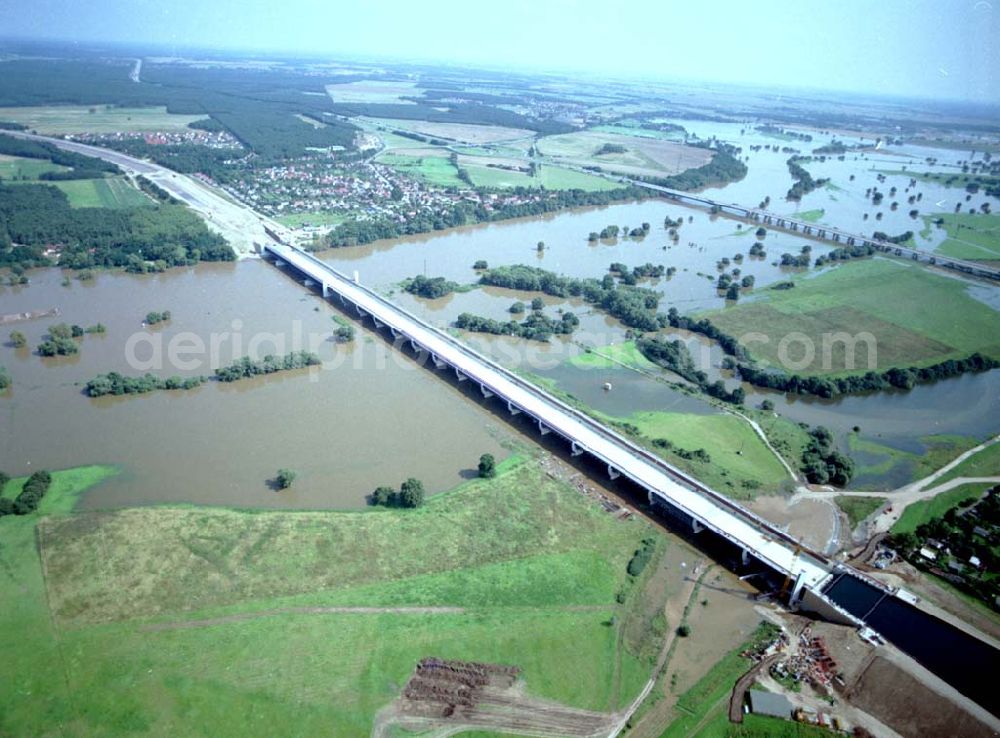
(11, 146)
(675, 356)
(723, 168)
(536, 327)
(804, 182)
(30, 496)
(409, 495)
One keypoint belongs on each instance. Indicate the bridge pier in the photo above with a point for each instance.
(613, 473)
(574, 449)
(542, 428)
(458, 373)
(361, 312)
(438, 363)
(512, 408)
(797, 590)
(486, 393)
(395, 334)
(696, 527)
(279, 263)
(415, 346)
(326, 290)
(307, 282)
(378, 323)
(745, 557)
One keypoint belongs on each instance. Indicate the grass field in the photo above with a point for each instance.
(986, 463)
(926, 510)
(297, 220)
(969, 236)
(737, 453)
(211, 622)
(620, 353)
(14, 167)
(549, 177)
(811, 216)
(640, 132)
(115, 192)
(435, 170)
(61, 119)
(650, 156)
(916, 317)
(858, 508)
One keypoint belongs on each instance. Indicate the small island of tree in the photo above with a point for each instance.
(285, 478)
(153, 318)
(487, 466)
(18, 339)
(344, 333)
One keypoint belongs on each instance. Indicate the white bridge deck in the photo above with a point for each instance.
(712, 510)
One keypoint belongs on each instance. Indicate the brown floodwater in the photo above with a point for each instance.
(369, 416)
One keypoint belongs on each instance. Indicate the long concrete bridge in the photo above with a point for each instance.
(692, 501)
(822, 232)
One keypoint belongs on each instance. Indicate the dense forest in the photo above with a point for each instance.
(37, 217)
(257, 106)
(355, 232)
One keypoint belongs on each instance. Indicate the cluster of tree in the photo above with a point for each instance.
(641, 556)
(669, 223)
(640, 232)
(699, 454)
(410, 495)
(901, 238)
(822, 463)
(674, 356)
(643, 271)
(607, 232)
(796, 260)
(845, 253)
(153, 318)
(9, 125)
(724, 167)
(487, 466)
(480, 265)
(355, 232)
(344, 333)
(834, 148)
(4, 378)
(610, 148)
(635, 307)
(155, 191)
(773, 130)
(757, 249)
(36, 217)
(430, 287)
(18, 339)
(284, 478)
(894, 378)
(11, 146)
(114, 383)
(60, 341)
(536, 327)
(804, 183)
(786, 285)
(246, 367)
(28, 499)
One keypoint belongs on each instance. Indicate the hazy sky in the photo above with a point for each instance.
(946, 48)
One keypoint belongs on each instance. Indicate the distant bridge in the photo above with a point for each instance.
(822, 232)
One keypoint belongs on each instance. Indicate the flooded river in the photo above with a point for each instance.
(370, 417)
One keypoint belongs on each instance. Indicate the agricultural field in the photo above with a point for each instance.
(627, 154)
(549, 177)
(975, 237)
(58, 120)
(114, 192)
(467, 133)
(201, 621)
(428, 165)
(625, 130)
(374, 92)
(17, 168)
(874, 296)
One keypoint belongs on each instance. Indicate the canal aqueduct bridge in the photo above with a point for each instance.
(687, 498)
